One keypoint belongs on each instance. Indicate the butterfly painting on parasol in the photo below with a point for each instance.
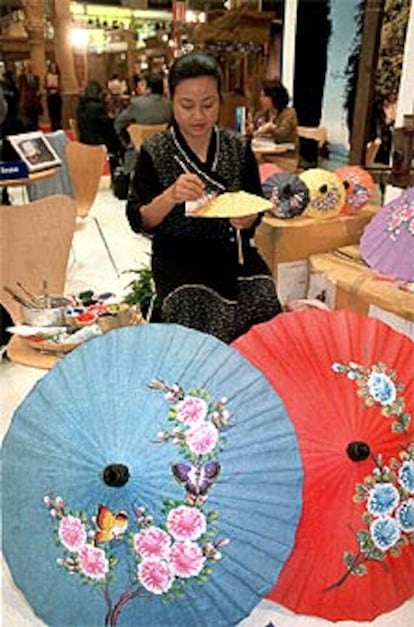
(347, 382)
(136, 477)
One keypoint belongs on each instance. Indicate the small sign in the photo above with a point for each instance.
(240, 114)
(35, 150)
(11, 170)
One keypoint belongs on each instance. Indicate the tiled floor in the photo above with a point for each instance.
(91, 268)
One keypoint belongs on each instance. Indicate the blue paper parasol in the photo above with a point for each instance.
(288, 193)
(151, 478)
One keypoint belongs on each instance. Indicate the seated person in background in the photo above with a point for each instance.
(201, 280)
(383, 126)
(153, 108)
(278, 121)
(95, 125)
(138, 82)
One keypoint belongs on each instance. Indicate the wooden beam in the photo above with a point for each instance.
(368, 61)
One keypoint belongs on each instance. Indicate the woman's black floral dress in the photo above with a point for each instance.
(195, 261)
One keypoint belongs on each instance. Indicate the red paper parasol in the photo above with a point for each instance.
(359, 187)
(347, 382)
(268, 169)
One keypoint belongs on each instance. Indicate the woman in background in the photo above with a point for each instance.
(53, 89)
(201, 280)
(277, 121)
(95, 125)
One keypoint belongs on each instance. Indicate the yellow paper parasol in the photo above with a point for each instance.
(233, 205)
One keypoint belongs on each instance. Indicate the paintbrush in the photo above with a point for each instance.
(46, 294)
(19, 299)
(37, 302)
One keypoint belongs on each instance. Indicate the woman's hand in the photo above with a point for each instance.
(266, 128)
(243, 223)
(187, 187)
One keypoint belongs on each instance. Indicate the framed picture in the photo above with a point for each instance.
(35, 150)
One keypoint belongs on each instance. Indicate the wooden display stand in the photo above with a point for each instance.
(286, 245)
(344, 281)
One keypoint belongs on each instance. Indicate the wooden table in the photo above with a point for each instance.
(262, 148)
(282, 155)
(33, 177)
(20, 352)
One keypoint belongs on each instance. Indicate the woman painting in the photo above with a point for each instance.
(200, 279)
(53, 89)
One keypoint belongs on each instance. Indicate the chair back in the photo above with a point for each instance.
(86, 165)
(371, 151)
(317, 133)
(35, 246)
(140, 132)
(73, 125)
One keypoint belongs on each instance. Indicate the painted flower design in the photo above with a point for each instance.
(359, 196)
(383, 499)
(406, 475)
(168, 555)
(381, 388)
(155, 575)
(191, 410)
(186, 523)
(405, 516)
(385, 532)
(93, 562)
(377, 384)
(152, 542)
(72, 533)
(402, 216)
(388, 515)
(202, 439)
(327, 201)
(187, 559)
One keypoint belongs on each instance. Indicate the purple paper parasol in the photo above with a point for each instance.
(387, 244)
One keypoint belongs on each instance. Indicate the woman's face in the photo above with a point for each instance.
(196, 105)
(265, 101)
(141, 88)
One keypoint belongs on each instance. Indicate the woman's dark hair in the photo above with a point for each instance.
(193, 65)
(53, 63)
(277, 93)
(155, 83)
(93, 91)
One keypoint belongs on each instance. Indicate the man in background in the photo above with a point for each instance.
(30, 99)
(153, 108)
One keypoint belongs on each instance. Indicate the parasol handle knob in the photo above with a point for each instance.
(116, 475)
(358, 451)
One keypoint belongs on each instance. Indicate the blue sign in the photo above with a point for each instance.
(11, 170)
